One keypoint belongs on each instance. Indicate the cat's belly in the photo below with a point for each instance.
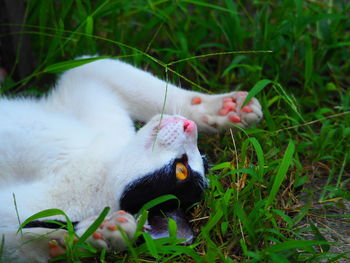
(35, 144)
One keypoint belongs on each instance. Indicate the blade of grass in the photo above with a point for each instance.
(66, 65)
(309, 61)
(150, 245)
(157, 201)
(319, 236)
(202, 3)
(293, 244)
(213, 221)
(258, 87)
(48, 213)
(172, 227)
(260, 156)
(281, 173)
(89, 27)
(238, 208)
(2, 245)
(219, 54)
(93, 227)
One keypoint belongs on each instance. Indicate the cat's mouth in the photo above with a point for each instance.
(158, 225)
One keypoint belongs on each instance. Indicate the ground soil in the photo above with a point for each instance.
(331, 217)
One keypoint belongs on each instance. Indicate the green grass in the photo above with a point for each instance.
(252, 211)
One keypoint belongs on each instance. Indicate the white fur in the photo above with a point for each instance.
(76, 149)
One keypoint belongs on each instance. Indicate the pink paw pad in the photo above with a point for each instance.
(234, 118)
(229, 104)
(97, 235)
(55, 249)
(247, 109)
(112, 227)
(122, 213)
(121, 220)
(196, 100)
(223, 112)
(225, 100)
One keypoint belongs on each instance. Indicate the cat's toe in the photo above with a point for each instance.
(221, 111)
(243, 116)
(110, 233)
(56, 248)
(57, 242)
(251, 113)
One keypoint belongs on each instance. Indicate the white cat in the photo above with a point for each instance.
(77, 150)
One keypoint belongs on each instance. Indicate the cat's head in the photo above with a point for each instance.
(170, 164)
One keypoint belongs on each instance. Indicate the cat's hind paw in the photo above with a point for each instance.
(109, 235)
(218, 112)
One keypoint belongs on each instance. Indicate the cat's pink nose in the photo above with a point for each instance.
(189, 126)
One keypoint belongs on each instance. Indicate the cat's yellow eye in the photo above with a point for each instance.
(181, 171)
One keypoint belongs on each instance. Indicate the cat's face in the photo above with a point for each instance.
(171, 141)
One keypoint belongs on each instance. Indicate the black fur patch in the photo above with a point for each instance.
(52, 225)
(205, 164)
(163, 182)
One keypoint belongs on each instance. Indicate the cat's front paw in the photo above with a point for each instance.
(218, 112)
(109, 235)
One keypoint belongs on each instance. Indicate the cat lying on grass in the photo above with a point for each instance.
(77, 150)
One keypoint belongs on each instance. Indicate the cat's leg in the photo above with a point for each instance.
(144, 96)
(41, 244)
